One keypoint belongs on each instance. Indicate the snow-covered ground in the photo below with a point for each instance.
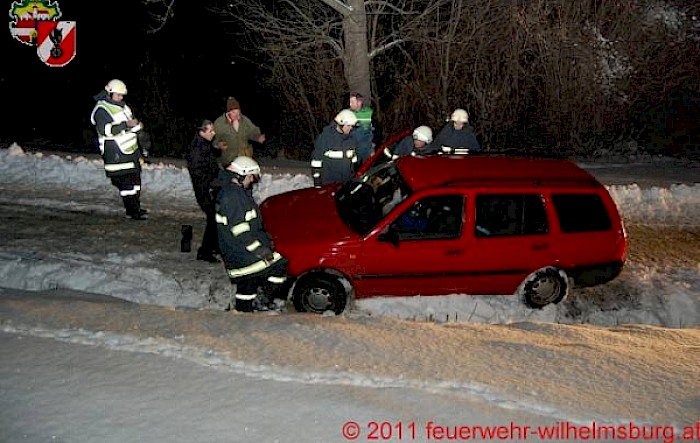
(80, 363)
(662, 295)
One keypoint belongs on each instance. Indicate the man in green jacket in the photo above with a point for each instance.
(234, 132)
(368, 132)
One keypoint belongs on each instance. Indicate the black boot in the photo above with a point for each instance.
(244, 305)
(139, 212)
(133, 208)
(208, 256)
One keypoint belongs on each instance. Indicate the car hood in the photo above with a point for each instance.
(304, 216)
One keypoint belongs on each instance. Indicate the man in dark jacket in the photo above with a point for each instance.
(117, 132)
(334, 158)
(204, 171)
(249, 257)
(457, 136)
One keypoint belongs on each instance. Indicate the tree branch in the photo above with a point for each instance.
(161, 18)
(339, 7)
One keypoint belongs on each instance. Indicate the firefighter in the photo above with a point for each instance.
(334, 158)
(246, 248)
(418, 143)
(457, 136)
(117, 131)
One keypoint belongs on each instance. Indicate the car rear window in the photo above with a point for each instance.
(581, 212)
(510, 214)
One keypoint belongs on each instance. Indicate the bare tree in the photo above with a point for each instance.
(550, 73)
(352, 32)
(316, 51)
(160, 11)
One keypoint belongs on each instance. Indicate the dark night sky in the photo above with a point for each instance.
(55, 103)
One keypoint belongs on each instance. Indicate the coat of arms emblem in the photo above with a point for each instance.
(26, 16)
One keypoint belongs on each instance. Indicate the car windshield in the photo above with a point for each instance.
(363, 201)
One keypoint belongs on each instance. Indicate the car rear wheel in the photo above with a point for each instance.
(319, 293)
(545, 286)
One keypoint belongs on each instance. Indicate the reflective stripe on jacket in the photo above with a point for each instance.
(118, 143)
(454, 141)
(334, 157)
(126, 140)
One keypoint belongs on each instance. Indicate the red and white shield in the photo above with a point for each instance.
(55, 43)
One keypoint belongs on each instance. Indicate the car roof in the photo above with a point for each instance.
(481, 170)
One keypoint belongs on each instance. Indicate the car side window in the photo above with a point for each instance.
(510, 214)
(581, 213)
(430, 218)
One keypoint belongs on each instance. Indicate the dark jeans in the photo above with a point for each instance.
(206, 198)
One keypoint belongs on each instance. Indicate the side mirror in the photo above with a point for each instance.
(389, 236)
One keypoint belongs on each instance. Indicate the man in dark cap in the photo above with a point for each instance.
(234, 132)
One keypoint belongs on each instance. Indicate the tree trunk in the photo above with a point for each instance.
(356, 57)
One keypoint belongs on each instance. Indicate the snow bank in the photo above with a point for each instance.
(678, 204)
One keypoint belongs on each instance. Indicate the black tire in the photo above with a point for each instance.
(319, 293)
(544, 287)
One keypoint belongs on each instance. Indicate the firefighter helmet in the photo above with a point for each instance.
(243, 166)
(116, 86)
(460, 116)
(346, 118)
(423, 133)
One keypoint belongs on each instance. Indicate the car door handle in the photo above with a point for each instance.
(539, 246)
(454, 251)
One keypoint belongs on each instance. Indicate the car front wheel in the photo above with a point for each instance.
(319, 293)
(545, 286)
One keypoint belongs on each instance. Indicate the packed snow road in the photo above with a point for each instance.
(65, 392)
(556, 372)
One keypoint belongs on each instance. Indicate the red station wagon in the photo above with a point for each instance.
(445, 225)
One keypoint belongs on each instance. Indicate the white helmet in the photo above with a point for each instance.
(460, 116)
(116, 86)
(346, 117)
(423, 133)
(244, 166)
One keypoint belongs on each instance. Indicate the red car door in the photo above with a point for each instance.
(417, 250)
(508, 239)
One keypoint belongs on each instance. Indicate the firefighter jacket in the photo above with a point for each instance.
(401, 149)
(453, 141)
(246, 247)
(406, 147)
(118, 143)
(334, 157)
(237, 141)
